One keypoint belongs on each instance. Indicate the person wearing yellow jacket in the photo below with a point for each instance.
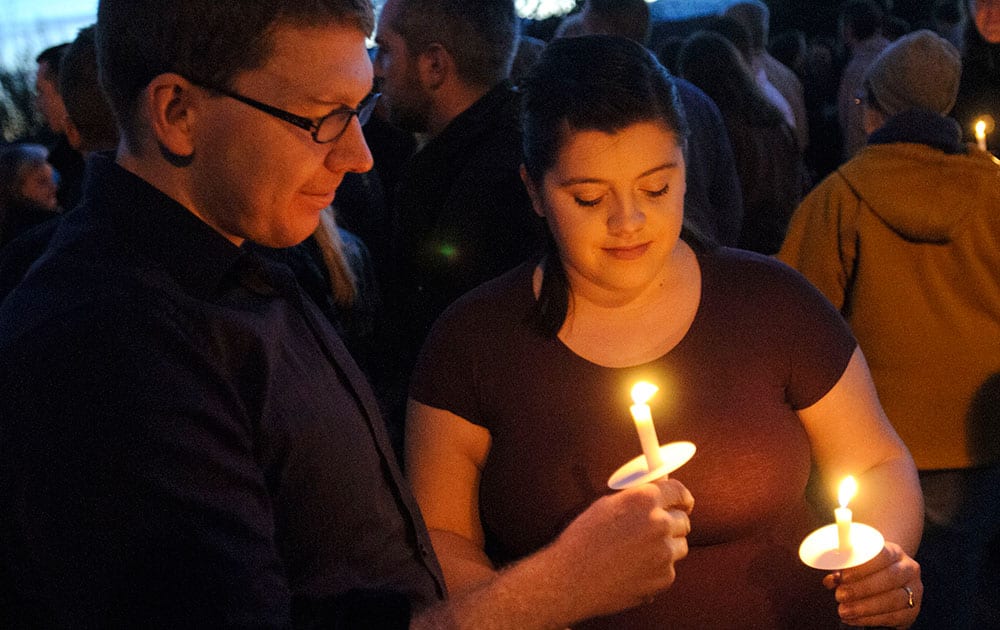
(905, 240)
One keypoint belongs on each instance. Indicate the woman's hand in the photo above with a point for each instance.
(885, 591)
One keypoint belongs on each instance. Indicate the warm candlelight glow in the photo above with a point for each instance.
(981, 134)
(641, 393)
(848, 488)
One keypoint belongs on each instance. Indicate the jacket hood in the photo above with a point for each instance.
(922, 193)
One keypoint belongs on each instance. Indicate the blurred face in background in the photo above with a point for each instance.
(49, 103)
(39, 186)
(407, 103)
(986, 14)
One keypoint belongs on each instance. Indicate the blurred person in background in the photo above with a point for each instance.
(861, 31)
(67, 161)
(768, 161)
(979, 90)
(27, 189)
(755, 17)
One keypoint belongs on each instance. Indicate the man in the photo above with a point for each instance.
(462, 215)
(67, 161)
(90, 124)
(186, 443)
(902, 238)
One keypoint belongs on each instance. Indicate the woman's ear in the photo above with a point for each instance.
(171, 104)
(533, 193)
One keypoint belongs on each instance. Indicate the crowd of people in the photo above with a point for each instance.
(294, 333)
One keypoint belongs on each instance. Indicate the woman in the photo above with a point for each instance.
(27, 189)
(518, 411)
(768, 160)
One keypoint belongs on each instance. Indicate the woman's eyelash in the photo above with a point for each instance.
(590, 203)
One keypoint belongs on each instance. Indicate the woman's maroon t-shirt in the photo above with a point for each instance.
(763, 344)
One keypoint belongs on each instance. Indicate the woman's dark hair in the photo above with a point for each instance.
(713, 63)
(596, 82)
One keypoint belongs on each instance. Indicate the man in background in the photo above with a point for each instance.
(67, 161)
(461, 213)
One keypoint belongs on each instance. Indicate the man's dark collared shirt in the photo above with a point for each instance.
(185, 442)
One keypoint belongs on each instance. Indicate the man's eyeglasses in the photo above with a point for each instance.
(327, 129)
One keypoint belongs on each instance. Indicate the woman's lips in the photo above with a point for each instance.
(627, 253)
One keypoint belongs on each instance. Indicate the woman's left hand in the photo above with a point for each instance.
(885, 591)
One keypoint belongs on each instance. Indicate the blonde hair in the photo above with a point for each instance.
(343, 281)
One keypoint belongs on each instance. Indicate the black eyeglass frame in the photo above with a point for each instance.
(363, 112)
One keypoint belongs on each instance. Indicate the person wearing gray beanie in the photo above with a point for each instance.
(919, 70)
(902, 239)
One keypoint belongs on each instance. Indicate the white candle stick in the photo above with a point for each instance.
(848, 487)
(641, 393)
(980, 129)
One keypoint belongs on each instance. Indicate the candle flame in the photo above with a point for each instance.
(642, 392)
(848, 488)
(980, 127)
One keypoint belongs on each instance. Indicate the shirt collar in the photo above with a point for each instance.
(162, 232)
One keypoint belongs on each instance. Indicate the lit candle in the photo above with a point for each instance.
(981, 134)
(641, 393)
(848, 488)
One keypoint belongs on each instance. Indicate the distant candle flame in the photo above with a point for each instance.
(848, 488)
(980, 127)
(642, 392)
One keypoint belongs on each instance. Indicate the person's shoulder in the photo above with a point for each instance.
(502, 301)
(64, 300)
(78, 287)
(751, 273)
(508, 289)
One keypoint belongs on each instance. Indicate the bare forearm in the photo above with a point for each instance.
(890, 500)
(463, 563)
(530, 595)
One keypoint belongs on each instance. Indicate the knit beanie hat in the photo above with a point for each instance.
(918, 70)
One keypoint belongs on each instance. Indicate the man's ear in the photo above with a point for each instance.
(171, 103)
(434, 66)
(533, 193)
(72, 134)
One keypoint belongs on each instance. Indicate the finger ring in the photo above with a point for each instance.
(909, 596)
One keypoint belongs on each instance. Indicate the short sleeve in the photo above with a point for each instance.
(471, 343)
(445, 373)
(814, 338)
